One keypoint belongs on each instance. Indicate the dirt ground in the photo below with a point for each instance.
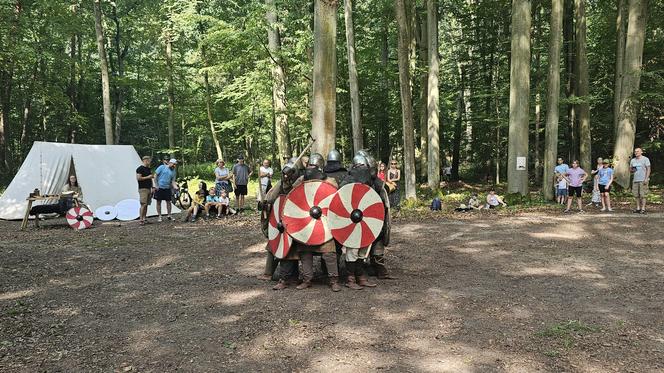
(538, 291)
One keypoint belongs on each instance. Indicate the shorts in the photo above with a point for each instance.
(561, 192)
(639, 189)
(145, 196)
(604, 188)
(575, 191)
(240, 190)
(163, 195)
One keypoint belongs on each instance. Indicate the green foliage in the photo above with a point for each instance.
(514, 199)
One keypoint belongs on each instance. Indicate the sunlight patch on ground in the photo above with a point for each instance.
(16, 294)
(228, 319)
(161, 262)
(240, 297)
(66, 311)
(574, 270)
(350, 360)
(255, 248)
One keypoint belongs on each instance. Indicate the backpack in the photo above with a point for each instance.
(436, 204)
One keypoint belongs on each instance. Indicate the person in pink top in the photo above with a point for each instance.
(575, 177)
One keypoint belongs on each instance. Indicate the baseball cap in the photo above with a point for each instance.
(606, 161)
(146, 157)
(173, 160)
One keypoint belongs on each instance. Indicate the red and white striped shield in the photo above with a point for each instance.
(79, 218)
(305, 212)
(279, 241)
(356, 215)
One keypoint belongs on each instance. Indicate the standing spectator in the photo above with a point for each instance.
(222, 178)
(165, 175)
(605, 179)
(561, 189)
(575, 177)
(393, 177)
(241, 175)
(562, 167)
(265, 173)
(640, 167)
(145, 187)
(381, 171)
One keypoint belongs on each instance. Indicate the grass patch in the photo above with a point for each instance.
(565, 334)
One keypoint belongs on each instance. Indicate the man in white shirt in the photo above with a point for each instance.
(265, 173)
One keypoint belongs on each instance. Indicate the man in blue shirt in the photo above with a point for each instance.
(165, 177)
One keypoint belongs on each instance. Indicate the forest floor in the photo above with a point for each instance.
(476, 293)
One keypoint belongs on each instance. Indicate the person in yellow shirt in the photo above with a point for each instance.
(197, 203)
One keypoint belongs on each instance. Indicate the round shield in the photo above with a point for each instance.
(305, 212)
(356, 215)
(278, 240)
(106, 213)
(79, 217)
(128, 209)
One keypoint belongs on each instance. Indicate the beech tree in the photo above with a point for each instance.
(629, 103)
(552, 102)
(432, 96)
(582, 85)
(356, 124)
(517, 179)
(105, 80)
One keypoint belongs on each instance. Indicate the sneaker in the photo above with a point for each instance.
(637, 211)
(566, 211)
(193, 220)
(643, 212)
(603, 209)
(219, 217)
(609, 210)
(170, 218)
(159, 219)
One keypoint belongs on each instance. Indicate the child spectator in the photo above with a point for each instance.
(493, 200)
(561, 189)
(212, 202)
(197, 203)
(225, 204)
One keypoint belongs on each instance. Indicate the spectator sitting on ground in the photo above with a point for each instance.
(473, 204)
(212, 202)
(493, 200)
(225, 205)
(197, 203)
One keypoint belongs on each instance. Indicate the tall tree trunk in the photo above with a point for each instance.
(620, 57)
(629, 105)
(552, 101)
(582, 88)
(517, 179)
(120, 54)
(324, 105)
(406, 100)
(278, 84)
(384, 127)
(570, 87)
(432, 96)
(358, 139)
(458, 127)
(171, 92)
(208, 107)
(105, 82)
(423, 105)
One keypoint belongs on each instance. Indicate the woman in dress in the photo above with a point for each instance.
(393, 177)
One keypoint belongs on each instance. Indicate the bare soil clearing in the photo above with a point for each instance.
(535, 291)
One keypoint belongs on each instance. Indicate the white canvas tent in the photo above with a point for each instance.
(105, 173)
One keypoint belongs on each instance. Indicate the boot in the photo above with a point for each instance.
(363, 280)
(303, 285)
(378, 263)
(334, 284)
(350, 283)
(281, 285)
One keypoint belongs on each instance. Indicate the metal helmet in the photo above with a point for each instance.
(371, 160)
(360, 160)
(296, 162)
(316, 159)
(334, 155)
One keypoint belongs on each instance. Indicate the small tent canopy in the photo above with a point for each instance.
(105, 173)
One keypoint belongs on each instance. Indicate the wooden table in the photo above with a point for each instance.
(33, 198)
